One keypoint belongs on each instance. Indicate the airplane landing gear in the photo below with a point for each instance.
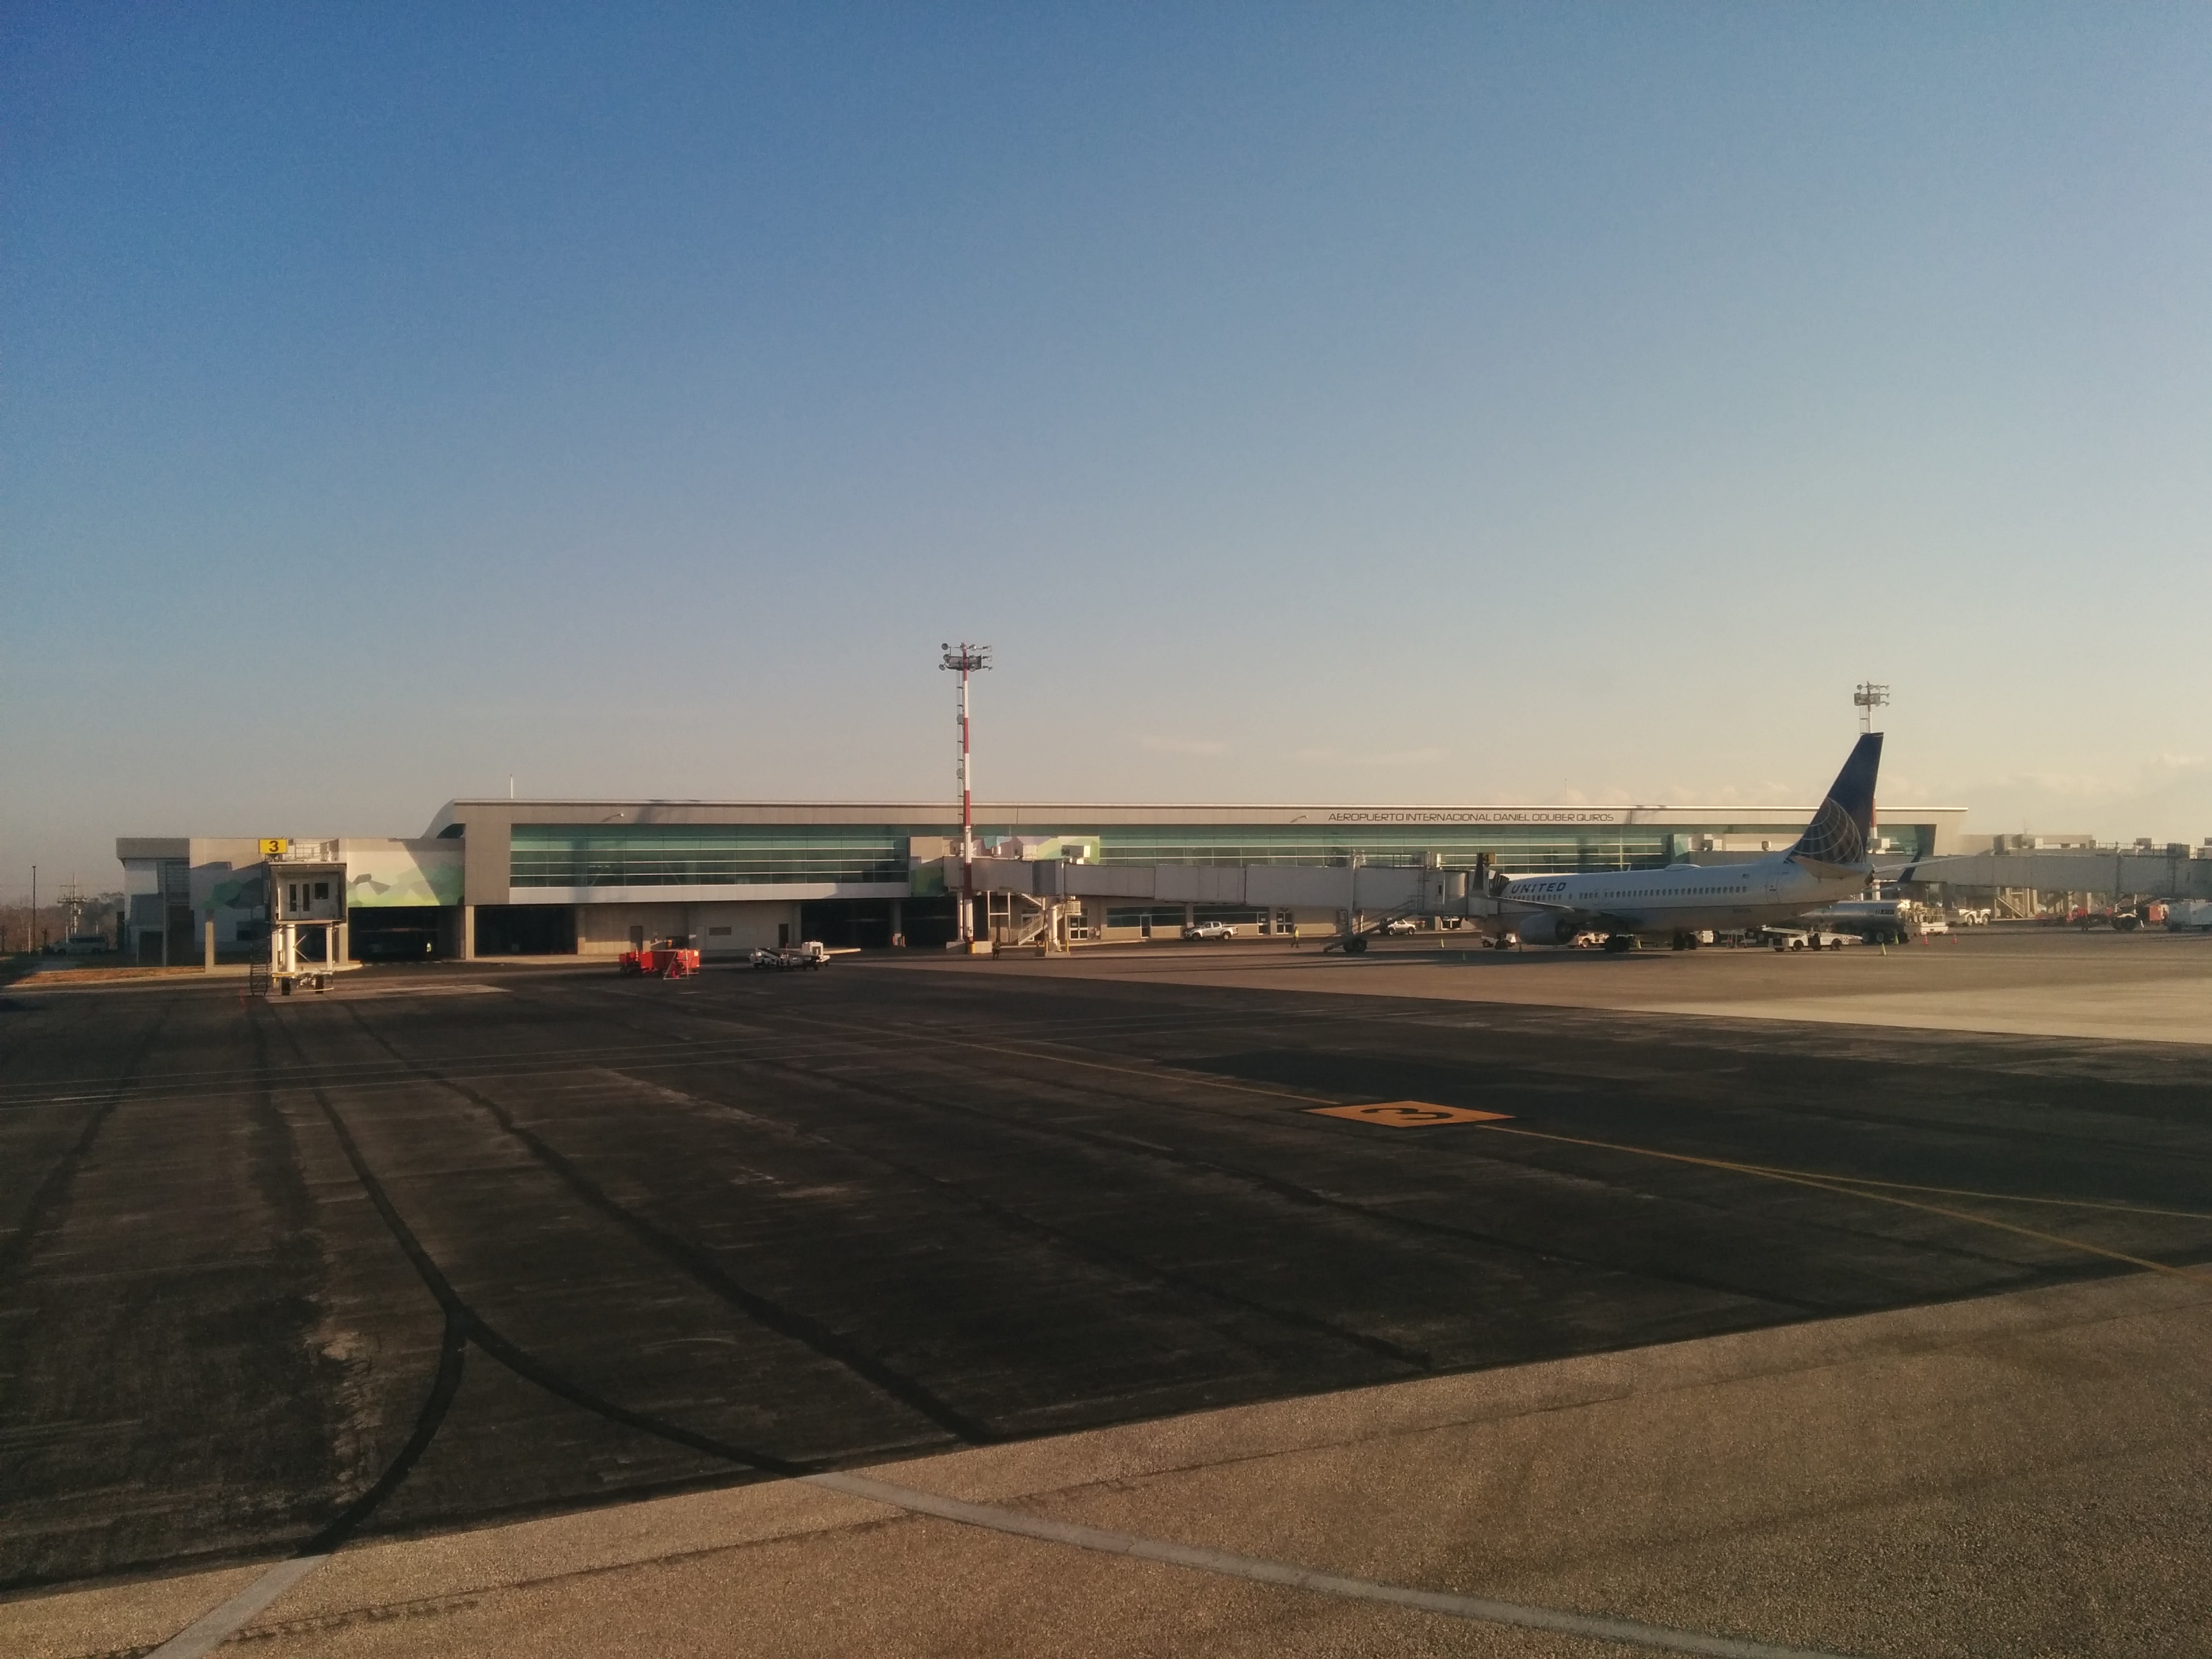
(1617, 942)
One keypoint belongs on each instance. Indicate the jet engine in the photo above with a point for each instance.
(1546, 928)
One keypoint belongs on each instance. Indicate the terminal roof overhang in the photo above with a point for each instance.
(502, 811)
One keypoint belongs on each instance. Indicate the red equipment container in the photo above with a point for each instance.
(666, 958)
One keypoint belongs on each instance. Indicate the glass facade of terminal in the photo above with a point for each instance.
(703, 854)
(572, 855)
(1532, 852)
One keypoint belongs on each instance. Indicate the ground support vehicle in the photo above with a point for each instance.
(1398, 925)
(261, 980)
(1878, 922)
(667, 958)
(1807, 938)
(786, 958)
(1209, 930)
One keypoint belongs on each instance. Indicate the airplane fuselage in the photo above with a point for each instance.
(1682, 899)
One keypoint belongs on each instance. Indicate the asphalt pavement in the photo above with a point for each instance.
(454, 1247)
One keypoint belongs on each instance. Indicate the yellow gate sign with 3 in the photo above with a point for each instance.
(1408, 1113)
(275, 846)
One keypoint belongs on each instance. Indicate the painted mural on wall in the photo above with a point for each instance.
(237, 890)
(394, 873)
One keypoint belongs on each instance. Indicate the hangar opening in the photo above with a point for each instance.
(401, 932)
(870, 924)
(525, 930)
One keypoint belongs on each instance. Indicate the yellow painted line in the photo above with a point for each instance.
(1848, 1186)
(1408, 1113)
(1840, 1184)
(1995, 1198)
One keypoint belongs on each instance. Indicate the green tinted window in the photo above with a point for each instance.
(702, 854)
(699, 855)
(1521, 850)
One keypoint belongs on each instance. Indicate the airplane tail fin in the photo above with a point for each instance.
(1843, 829)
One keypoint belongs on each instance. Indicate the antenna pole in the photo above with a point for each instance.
(1869, 696)
(966, 659)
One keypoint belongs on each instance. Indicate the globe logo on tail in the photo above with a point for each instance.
(1832, 837)
(1840, 831)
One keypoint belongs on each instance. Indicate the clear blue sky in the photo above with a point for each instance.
(1400, 404)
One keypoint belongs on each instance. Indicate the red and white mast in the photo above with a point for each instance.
(967, 660)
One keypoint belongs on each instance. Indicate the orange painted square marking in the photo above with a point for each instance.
(1408, 1113)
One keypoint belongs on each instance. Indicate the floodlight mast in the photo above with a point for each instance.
(1869, 697)
(966, 659)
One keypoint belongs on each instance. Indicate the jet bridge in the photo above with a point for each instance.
(1029, 901)
(2175, 872)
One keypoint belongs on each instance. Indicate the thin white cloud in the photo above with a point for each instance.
(1180, 745)
(2158, 772)
(1402, 758)
(2166, 797)
(1372, 757)
(1729, 794)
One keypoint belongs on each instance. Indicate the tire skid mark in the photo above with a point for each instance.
(182, 1085)
(1126, 1264)
(1171, 1073)
(444, 1385)
(1758, 1044)
(52, 1190)
(699, 1266)
(1296, 1192)
(473, 1328)
(445, 1382)
(1289, 1191)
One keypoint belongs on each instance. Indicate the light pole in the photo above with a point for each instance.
(966, 659)
(1869, 697)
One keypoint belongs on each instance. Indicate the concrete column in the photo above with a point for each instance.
(208, 955)
(341, 943)
(898, 920)
(468, 933)
(1190, 916)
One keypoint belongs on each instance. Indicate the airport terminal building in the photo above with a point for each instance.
(513, 878)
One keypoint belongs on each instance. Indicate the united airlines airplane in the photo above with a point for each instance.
(1828, 862)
